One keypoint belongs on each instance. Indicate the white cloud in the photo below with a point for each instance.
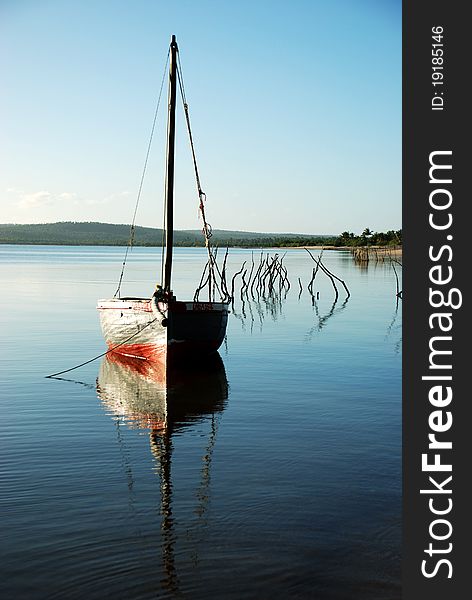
(31, 206)
(68, 196)
(35, 200)
(41, 199)
(108, 199)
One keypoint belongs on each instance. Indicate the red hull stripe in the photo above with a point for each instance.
(146, 351)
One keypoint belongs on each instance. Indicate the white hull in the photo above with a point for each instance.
(148, 329)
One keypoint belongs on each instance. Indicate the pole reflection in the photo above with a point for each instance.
(143, 395)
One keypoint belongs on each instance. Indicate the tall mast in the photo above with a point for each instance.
(170, 165)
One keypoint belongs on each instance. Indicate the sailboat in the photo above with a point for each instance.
(161, 328)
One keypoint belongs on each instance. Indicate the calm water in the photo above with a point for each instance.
(277, 474)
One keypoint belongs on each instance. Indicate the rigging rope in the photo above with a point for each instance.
(207, 230)
(133, 222)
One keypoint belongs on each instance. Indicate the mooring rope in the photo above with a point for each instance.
(102, 354)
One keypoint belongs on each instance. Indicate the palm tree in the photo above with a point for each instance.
(366, 234)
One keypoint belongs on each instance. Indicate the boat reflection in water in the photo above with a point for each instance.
(146, 397)
(149, 397)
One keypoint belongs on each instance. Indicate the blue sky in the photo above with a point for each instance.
(295, 108)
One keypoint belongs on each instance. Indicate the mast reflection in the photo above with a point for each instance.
(141, 393)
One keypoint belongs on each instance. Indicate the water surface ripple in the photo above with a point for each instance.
(274, 472)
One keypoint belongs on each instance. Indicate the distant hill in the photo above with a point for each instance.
(107, 234)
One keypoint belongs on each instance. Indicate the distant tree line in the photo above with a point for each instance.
(370, 238)
(107, 234)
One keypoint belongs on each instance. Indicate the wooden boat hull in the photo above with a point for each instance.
(162, 331)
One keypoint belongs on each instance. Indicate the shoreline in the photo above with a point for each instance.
(393, 250)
